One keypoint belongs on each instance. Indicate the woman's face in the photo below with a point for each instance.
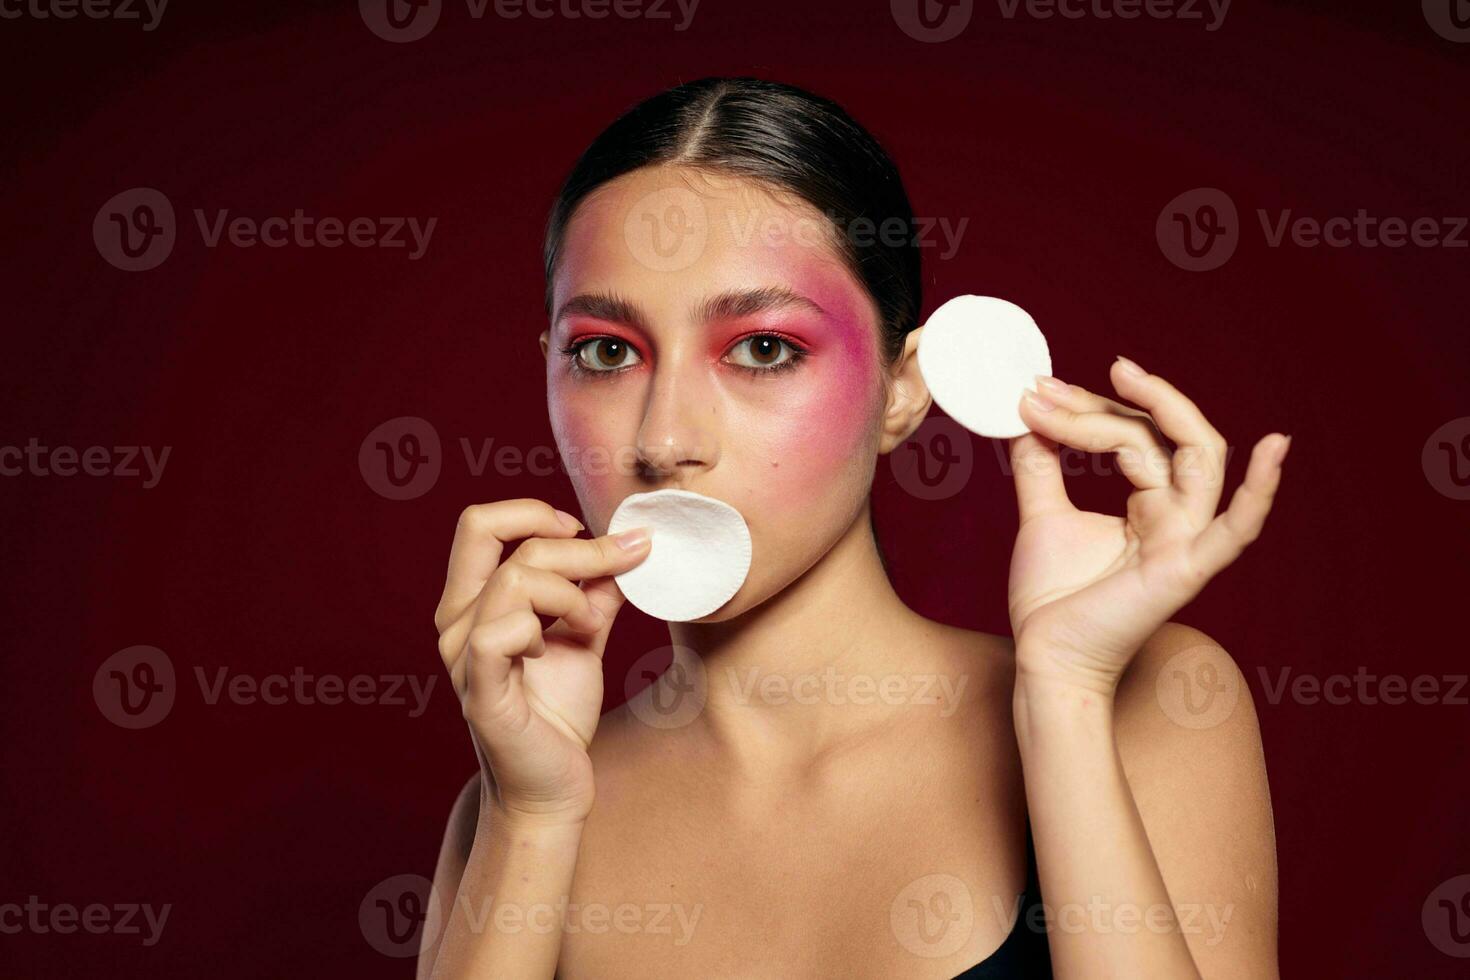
(706, 336)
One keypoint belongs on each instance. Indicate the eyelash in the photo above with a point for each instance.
(798, 354)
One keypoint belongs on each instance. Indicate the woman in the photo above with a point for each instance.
(728, 316)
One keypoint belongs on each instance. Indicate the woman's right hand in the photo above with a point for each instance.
(532, 697)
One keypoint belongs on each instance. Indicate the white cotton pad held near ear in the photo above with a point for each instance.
(699, 558)
(977, 355)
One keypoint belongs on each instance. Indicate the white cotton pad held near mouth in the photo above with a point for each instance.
(977, 355)
(699, 558)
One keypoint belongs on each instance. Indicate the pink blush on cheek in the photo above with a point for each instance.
(825, 424)
(587, 449)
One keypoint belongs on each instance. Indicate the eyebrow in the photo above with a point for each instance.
(729, 304)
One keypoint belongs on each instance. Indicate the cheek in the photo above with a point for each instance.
(594, 451)
(828, 423)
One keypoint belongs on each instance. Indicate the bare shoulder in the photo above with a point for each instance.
(459, 834)
(1184, 692)
(466, 810)
(1190, 745)
(992, 655)
(454, 854)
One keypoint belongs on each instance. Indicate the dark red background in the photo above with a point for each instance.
(263, 548)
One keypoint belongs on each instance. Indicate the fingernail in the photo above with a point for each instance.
(569, 522)
(632, 540)
(1051, 384)
(1281, 453)
(1130, 367)
(1040, 402)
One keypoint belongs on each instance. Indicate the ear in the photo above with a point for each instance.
(908, 396)
(545, 342)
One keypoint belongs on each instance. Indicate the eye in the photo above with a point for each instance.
(602, 354)
(765, 352)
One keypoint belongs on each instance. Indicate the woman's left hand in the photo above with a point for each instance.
(1086, 590)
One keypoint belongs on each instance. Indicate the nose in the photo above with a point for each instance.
(680, 430)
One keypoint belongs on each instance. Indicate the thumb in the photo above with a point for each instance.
(1036, 464)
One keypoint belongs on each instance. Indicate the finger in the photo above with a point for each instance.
(583, 558)
(490, 652)
(1082, 399)
(479, 541)
(1141, 456)
(569, 558)
(1037, 467)
(608, 599)
(516, 586)
(1199, 466)
(1226, 537)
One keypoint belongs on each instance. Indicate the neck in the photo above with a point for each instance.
(801, 673)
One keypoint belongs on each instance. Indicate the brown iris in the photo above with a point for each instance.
(609, 352)
(765, 350)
